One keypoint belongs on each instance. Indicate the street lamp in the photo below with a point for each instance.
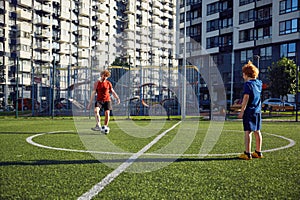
(231, 81)
(257, 57)
(297, 91)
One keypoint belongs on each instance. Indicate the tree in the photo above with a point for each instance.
(282, 77)
(119, 62)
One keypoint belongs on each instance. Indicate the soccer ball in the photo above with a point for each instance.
(105, 129)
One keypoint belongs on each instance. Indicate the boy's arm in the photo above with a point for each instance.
(244, 104)
(92, 97)
(115, 95)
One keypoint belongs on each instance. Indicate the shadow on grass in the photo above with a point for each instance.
(33, 133)
(73, 162)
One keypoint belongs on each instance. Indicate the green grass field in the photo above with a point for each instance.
(32, 172)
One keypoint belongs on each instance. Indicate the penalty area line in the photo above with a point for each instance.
(114, 174)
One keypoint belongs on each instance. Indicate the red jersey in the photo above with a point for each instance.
(103, 90)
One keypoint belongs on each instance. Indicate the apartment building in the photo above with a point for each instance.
(232, 32)
(55, 44)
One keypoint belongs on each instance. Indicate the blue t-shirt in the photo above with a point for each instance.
(253, 88)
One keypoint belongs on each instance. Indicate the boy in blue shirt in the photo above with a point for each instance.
(251, 111)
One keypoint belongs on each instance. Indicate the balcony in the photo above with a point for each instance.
(84, 12)
(83, 54)
(101, 8)
(101, 17)
(64, 38)
(129, 44)
(84, 43)
(226, 13)
(26, 27)
(65, 15)
(83, 31)
(25, 3)
(43, 34)
(24, 41)
(84, 21)
(44, 8)
(63, 50)
(24, 54)
(225, 48)
(263, 23)
(129, 36)
(24, 15)
(42, 46)
(42, 21)
(26, 67)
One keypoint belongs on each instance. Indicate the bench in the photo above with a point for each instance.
(281, 108)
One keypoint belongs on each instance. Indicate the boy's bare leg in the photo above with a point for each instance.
(258, 140)
(107, 117)
(97, 116)
(248, 140)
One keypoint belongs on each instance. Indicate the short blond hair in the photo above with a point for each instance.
(250, 70)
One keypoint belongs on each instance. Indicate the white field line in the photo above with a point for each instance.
(110, 177)
(30, 141)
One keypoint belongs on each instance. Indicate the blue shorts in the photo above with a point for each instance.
(252, 121)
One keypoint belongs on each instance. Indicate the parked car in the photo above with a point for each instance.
(272, 102)
(268, 103)
(27, 104)
(7, 108)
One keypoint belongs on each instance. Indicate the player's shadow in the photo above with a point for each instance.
(73, 162)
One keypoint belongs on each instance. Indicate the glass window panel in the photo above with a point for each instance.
(283, 50)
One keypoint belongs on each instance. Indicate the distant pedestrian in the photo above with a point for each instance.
(251, 111)
(102, 88)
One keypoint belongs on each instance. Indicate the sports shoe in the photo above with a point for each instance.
(96, 128)
(257, 154)
(245, 156)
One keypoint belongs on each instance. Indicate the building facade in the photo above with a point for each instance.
(52, 45)
(232, 32)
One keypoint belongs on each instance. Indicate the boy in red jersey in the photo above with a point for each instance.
(102, 88)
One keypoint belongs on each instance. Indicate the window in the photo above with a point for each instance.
(181, 17)
(1, 32)
(246, 35)
(264, 13)
(266, 53)
(289, 26)
(225, 23)
(212, 8)
(226, 40)
(1, 18)
(246, 16)
(287, 6)
(212, 25)
(195, 30)
(212, 42)
(246, 55)
(244, 2)
(196, 14)
(264, 32)
(288, 50)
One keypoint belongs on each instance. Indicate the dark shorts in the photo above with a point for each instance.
(252, 122)
(105, 105)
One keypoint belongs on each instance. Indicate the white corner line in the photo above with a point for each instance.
(114, 174)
